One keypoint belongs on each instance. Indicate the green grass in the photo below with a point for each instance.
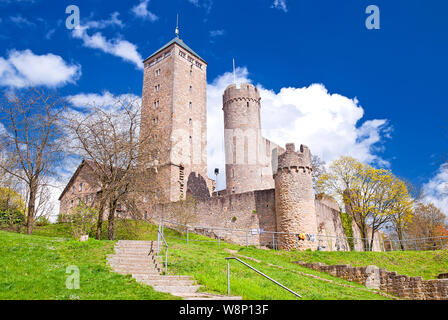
(427, 264)
(34, 267)
(206, 262)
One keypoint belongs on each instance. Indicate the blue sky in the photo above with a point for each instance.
(390, 83)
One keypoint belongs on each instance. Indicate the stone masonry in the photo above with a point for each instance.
(399, 285)
(294, 197)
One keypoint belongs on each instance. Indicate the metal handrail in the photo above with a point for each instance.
(259, 272)
(166, 250)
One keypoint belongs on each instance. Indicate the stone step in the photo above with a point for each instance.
(151, 273)
(132, 265)
(177, 289)
(132, 260)
(205, 296)
(159, 277)
(168, 282)
(137, 270)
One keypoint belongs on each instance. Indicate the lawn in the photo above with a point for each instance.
(34, 267)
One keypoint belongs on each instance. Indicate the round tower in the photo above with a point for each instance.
(242, 138)
(294, 199)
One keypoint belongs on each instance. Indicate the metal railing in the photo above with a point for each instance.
(257, 271)
(160, 236)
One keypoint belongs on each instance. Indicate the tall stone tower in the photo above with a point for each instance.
(248, 154)
(294, 198)
(174, 122)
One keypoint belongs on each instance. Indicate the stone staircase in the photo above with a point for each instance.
(139, 259)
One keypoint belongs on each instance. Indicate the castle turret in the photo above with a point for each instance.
(294, 199)
(242, 134)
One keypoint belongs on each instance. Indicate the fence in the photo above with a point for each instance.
(274, 240)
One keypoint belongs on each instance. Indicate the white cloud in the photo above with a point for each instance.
(216, 33)
(436, 189)
(206, 4)
(106, 99)
(330, 124)
(280, 4)
(20, 21)
(117, 47)
(102, 24)
(141, 11)
(24, 68)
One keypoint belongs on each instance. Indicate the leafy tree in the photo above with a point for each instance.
(371, 196)
(82, 220)
(12, 207)
(427, 221)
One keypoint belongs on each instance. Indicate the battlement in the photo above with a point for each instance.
(246, 91)
(295, 159)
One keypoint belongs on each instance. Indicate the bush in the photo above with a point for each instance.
(11, 217)
(82, 220)
(42, 221)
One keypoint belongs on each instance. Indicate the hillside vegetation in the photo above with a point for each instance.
(201, 258)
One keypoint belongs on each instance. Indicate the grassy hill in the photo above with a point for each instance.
(33, 267)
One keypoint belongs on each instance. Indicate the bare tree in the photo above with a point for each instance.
(318, 169)
(110, 138)
(32, 141)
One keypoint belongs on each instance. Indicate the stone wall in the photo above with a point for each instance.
(252, 211)
(398, 285)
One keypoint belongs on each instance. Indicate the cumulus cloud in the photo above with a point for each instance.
(141, 11)
(106, 99)
(330, 124)
(24, 68)
(280, 5)
(216, 33)
(117, 47)
(206, 4)
(102, 24)
(21, 21)
(436, 189)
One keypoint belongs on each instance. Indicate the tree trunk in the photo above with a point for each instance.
(31, 210)
(110, 226)
(99, 224)
(371, 240)
(400, 238)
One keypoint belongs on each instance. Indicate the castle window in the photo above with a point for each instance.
(157, 72)
(190, 121)
(182, 54)
(155, 120)
(80, 187)
(153, 62)
(91, 198)
(157, 88)
(73, 189)
(156, 104)
(191, 89)
(191, 105)
(190, 59)
(167, 54)
(71, 203)
(87, 199)
(198, 65)
(191, 72)
(248, 104)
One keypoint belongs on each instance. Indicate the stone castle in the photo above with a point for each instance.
(268, 188)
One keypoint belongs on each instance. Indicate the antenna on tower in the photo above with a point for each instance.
(177, 26)
(234, 74)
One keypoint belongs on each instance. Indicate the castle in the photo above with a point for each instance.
(268, 188)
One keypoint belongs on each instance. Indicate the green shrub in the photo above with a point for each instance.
(82, 220)
(347, 225)
(42, 221)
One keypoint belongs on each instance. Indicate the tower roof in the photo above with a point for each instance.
(180, 43)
